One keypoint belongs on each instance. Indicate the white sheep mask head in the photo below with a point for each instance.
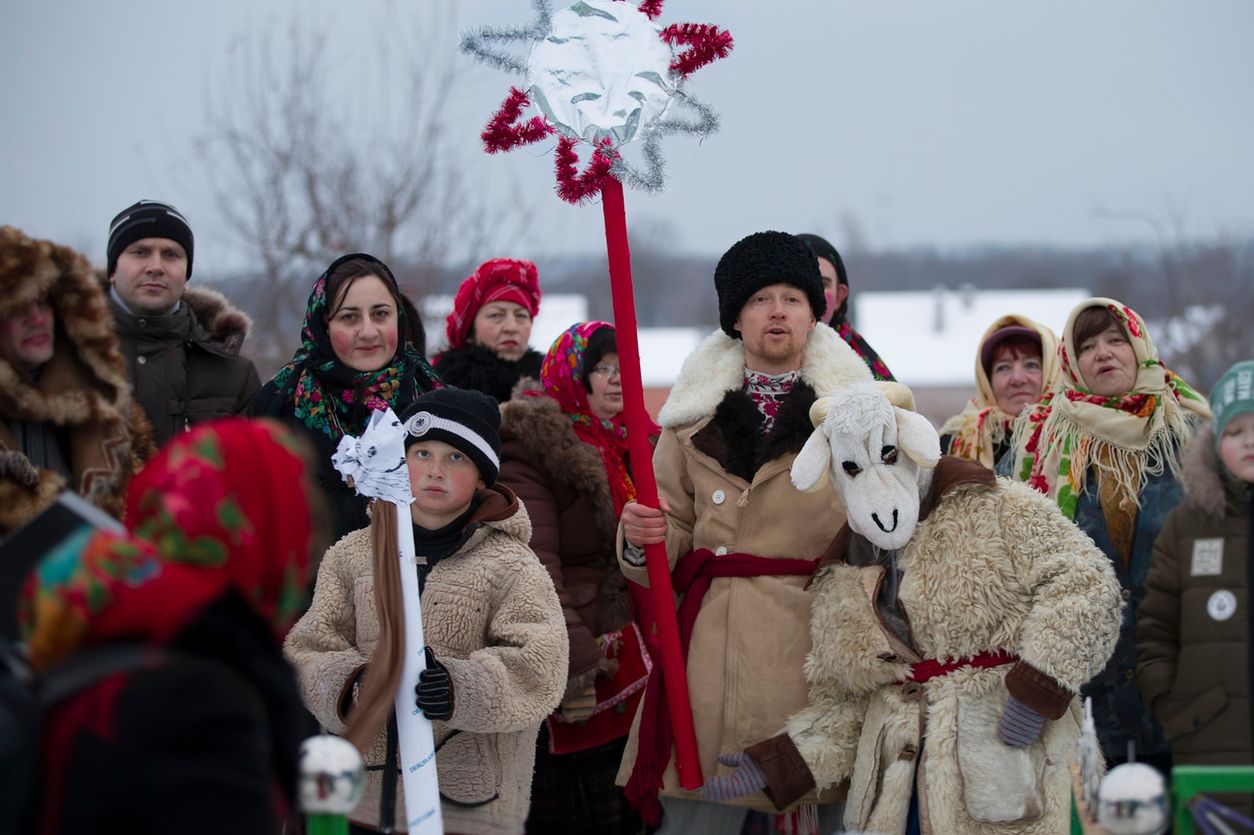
(877, 455)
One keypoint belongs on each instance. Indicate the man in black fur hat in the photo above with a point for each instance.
(733, 523)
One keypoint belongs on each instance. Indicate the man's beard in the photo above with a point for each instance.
(780, 350)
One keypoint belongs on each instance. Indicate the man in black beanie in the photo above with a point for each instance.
(182, 346)
(731, 427)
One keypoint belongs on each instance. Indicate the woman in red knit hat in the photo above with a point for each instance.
(490, 328)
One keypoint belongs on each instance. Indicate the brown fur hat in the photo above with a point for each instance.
(31, 270)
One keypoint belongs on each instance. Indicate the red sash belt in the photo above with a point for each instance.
(931, 668)
(691, 577)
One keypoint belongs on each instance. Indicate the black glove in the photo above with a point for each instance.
(434, 693)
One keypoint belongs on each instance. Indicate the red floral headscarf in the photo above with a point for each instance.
(220, 508)
(562, 377)
(497, 280)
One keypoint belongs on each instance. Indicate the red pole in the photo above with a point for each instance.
(674, 673)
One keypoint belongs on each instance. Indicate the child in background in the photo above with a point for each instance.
(1193, 639)
(496, 638)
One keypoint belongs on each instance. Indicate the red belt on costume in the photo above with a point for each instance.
(931, 668)
(691, 577)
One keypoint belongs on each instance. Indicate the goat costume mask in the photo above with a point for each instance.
(875, 453)
(987, 598)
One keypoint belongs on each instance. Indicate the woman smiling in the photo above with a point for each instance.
(353, 360)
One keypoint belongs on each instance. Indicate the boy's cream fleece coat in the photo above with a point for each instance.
(490, 614)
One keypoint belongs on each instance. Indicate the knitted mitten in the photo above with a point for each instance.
(1020, 725)
(747, 779)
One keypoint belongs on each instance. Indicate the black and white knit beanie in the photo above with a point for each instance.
(760, 260)
(148, 219)
(469, 421)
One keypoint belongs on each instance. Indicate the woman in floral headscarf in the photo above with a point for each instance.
(353, 359)
(564, 452)
(1105, 443)
(1016, 362)
(203, 736)
(489, 330)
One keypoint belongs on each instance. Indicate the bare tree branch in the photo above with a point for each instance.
(304, 162)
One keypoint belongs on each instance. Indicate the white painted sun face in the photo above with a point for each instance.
(602, 71)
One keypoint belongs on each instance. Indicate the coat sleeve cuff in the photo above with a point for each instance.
(788, 778)
(347, 698)
(1038, 690)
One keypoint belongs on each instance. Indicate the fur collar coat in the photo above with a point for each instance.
(728, 488)
(480, 369)
(81, 394)
(562, 482)
(186, 368)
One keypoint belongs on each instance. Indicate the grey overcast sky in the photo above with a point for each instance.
(946, 123)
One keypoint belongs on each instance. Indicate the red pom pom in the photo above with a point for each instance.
(574, 187)
(707, 44)
(501, 134)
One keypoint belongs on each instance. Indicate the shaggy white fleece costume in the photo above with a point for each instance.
(993, 571)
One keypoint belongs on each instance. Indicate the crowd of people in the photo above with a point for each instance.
(1082, 529)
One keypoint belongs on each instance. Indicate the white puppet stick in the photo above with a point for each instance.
(376, 464)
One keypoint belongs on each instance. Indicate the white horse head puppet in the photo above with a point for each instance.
(878, 455)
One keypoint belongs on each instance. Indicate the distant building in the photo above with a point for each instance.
(929, 338)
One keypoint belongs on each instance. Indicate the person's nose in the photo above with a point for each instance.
(153, 263)
(511, 325)
(38, 315)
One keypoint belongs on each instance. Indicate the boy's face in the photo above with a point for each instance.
(443, 480)
(1236, 447)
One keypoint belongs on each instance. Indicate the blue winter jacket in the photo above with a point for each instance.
(1120, 715)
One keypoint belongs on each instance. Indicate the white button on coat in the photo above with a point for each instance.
(719, 497)
(720, 550)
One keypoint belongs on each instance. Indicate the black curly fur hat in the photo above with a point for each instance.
(762, 259)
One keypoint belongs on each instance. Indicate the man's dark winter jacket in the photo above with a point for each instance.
(185, 368)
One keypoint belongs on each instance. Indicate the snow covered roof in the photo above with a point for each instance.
(663, 351)
(929, 338)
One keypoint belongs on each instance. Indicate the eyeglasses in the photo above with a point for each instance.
(606, 370)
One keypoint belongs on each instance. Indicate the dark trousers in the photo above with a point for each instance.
(574, 794)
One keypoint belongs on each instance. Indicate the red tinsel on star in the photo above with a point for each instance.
(574, 187)
(651, 8)
(708, 43)
(501, 134)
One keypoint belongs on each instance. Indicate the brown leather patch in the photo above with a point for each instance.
(1038, 690)
(788, 778)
